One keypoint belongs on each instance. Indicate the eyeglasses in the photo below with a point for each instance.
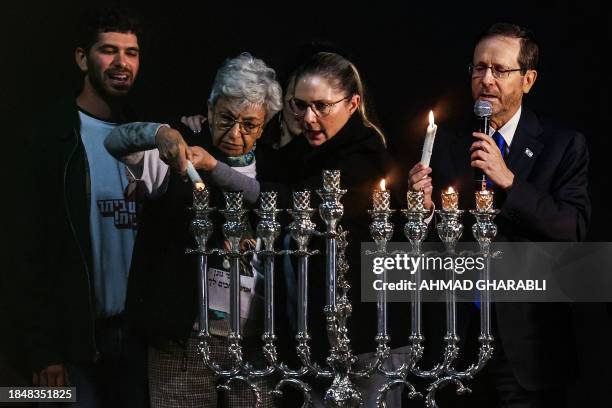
(320, 109)
(478, 71)
(225, 123)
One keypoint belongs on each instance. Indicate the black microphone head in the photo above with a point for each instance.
(483, 109)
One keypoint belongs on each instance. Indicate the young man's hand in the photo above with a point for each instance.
(173, 149)
(53, 376)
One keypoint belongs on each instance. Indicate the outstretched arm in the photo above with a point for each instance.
(224, 176)
(128, 142)
(149, 150)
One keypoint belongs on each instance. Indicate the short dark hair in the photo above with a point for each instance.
(529, 53)
(104, 19)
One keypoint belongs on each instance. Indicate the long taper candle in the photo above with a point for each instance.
(429, 141)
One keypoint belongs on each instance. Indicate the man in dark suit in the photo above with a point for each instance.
(538, 172)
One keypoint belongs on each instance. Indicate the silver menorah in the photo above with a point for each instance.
(340, 366)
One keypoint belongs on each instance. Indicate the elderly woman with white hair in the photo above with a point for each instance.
(162, 292)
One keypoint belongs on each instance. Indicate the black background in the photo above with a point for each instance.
(413, 58)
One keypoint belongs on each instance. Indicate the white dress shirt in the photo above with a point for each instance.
(508, 130)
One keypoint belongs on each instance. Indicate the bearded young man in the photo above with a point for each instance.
(83, 228)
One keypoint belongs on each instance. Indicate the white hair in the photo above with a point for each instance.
(251, 80)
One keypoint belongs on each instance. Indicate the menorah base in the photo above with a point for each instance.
(341, 367)
(343, 393)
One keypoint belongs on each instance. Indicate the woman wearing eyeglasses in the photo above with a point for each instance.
(162, 292)
(329, 104)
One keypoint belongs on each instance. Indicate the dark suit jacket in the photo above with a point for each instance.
(548, 202)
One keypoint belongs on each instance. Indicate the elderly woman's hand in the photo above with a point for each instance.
(201, 159)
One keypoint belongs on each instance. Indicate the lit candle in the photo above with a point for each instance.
(484, 200)
(381, 198)
(415, 200)
(450, 200)
(429, 141)
(198, 184)
(201, 198)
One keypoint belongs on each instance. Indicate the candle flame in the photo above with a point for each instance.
(431, 118)
(382, 185)
(450, 190)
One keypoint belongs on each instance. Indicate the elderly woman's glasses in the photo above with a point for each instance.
(320, 109)
(225, 123)
(478, 71)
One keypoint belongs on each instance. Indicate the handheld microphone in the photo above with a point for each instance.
(483, 111)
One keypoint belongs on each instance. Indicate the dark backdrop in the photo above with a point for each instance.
(412, 57)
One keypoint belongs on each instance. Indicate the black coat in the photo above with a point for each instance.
(162, 294)
(54, 282)
(548, 202)
(361, 157)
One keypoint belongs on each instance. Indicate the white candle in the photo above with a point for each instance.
(429, 140)
(194, 176)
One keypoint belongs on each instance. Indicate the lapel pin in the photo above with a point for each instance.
(528, 152)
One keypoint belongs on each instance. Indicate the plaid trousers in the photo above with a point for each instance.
(179, 379)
